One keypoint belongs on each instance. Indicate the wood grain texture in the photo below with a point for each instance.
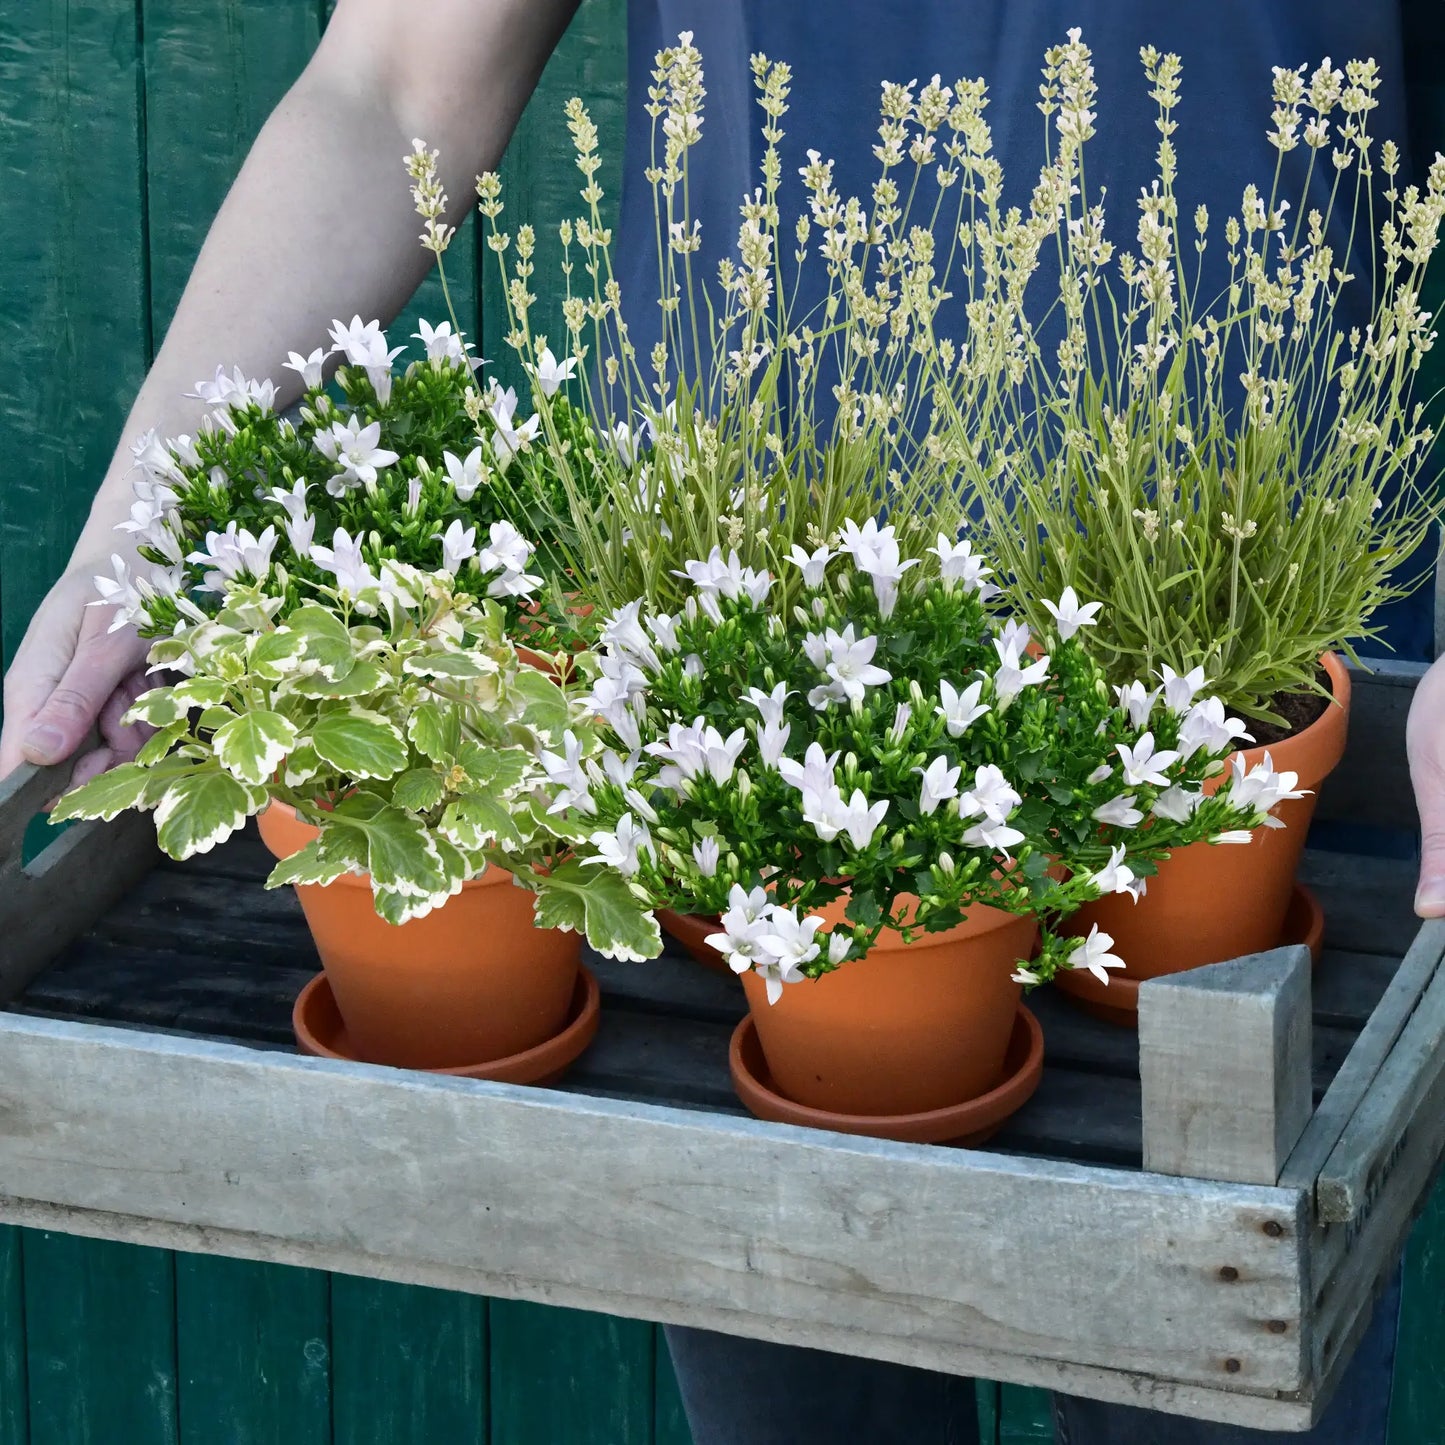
(540, 182)
(656, 1211)
(213, 73)
(569, 1375)
(409, 1364)
(1224, 1062)
(253, 1353)
(100, 1342)
(74, 329)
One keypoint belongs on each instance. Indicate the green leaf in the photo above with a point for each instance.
(302, 765)
(400, 855)
(106, 796)
(419, 790)
(329, 648)
(546, 702)
(450, 664)
(598, 903)
(251, 746)
(478, 821)
(323, 860)
(359, 744)
(201, 810)
(436, 733)
(495, 770)
(160, 743)
(364, 678)
(160, 707)
(275, 654)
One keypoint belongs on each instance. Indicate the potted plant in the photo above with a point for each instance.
(1225, 447)
(890, 802)
(338, 607)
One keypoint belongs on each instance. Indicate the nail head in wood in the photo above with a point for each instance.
(1224, 1060)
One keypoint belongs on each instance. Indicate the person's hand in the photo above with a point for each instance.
(1425, 741)
(70, 676)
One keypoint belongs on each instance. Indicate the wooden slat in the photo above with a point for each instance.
(74, 327)
(100, 1342)
(1371, 786)
(1389, 1110)
(903, 1257)
(408, 1364)
(1224, 1060)
(14, 1425)
(1357, 1074)
(253, 1353)
(1369, 902)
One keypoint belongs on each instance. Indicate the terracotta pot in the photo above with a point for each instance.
(910, 1028)
(692, 931)
(1215, 901)
(473, 981)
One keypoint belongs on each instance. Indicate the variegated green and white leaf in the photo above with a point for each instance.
(401, 855)
(418, 790)
(328, 643)
(107, 796)
(252, 745)
(364, 678)
(276, 654)
(598, 903)
(201, 810)
(478, 821)
(160, 743)
(460, 665)
(301, 765)
(315, 863)
(494, 770)
(360, 744)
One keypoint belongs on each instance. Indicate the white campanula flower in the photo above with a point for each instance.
(744, 923)
(619, 683)
(625, 442)
(233, 552)
(772, 739)
(565, 771)
(623, 847)
(770, 704)
(154, 456)
(1117, 877)
(990, 795)
(301, 533)
(465, 474)
(789, 943)
(956, 563)
(814, 773)
(875, 553)
(1013, 673)
(902, 716)
(291, 500)
(814, 564)
(1233, 835)
(1177, 804)
(152, 515)
(354, 449)
(1120, 812)
(507, 552)
(617, 769)
(996, 837)
(1207, 726)
(1070, 616)
(121, 592)
(308, 368)
(847, 662)
(234, 390)
(344, 561)
(960, 709)
(663, 628)
(1138, 702)
(1179, 690)
(940, 783)
(625, 635)
(1261, 787)
(1104, 770)
(1093, 953)
(363, 345)
(442, 343)
(706, 855)
(1143, 763)
(551, 373)
(508, 440)
(459, 544)
(831, 815)
(840, 945)
(1014, 633)
(692, 666)
(726, 578)
(413, 495)
(696, 749)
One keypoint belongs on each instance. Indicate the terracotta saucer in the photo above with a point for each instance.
(319, 1030)
(692, 931)
(1117, 1002)
(969, 1123)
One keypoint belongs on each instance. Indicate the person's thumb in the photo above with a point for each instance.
(66, 717)
(1426, 741)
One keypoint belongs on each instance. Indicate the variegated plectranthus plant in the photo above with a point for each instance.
(390, 710)
(885, 738)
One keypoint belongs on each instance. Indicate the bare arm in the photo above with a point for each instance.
(318, 225)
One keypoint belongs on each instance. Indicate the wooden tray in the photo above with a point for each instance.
(1195, 1219)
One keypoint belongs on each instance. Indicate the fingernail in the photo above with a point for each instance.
(44, 744)
(1430, 896)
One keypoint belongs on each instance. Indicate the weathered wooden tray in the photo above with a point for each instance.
(1207, 1242)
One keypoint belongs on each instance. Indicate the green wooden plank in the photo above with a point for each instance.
(14, 1408)
(213, 73)
(409, 1365)
(100, 1339)
(253, 1353)
(540, 178)
(669, 1419)
(1417, 1407)
(564, 1375)
(74, 329)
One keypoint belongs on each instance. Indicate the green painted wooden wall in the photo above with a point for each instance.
(121, 124)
